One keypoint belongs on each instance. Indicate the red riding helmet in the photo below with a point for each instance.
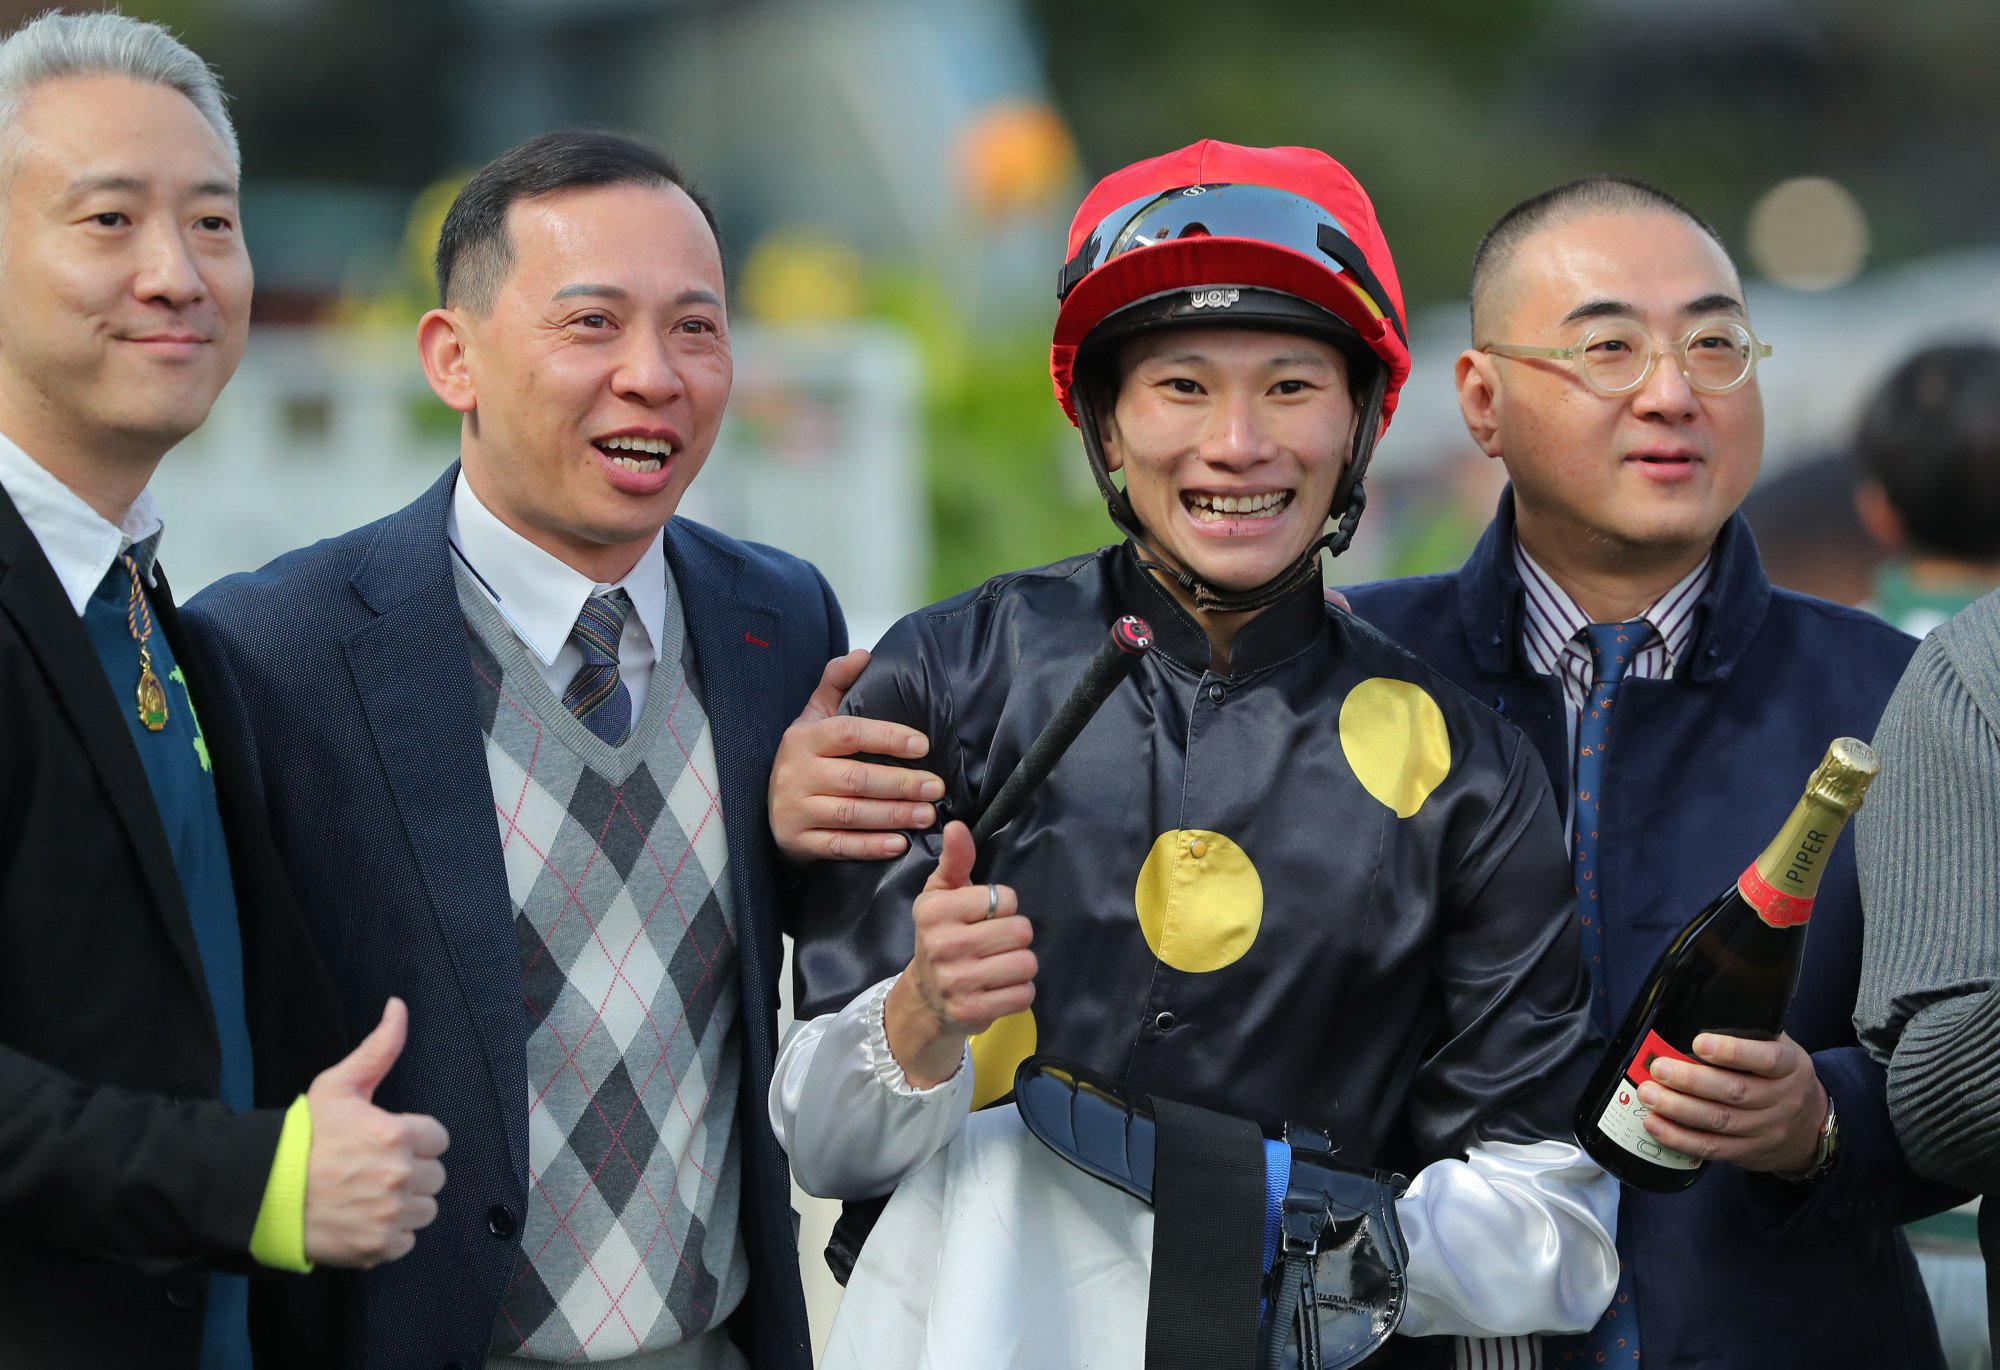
(1283, 239)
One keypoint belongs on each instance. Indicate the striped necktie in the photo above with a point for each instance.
(1615, 1339)
(596, 695)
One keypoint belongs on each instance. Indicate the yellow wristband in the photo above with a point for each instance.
(279, 1238)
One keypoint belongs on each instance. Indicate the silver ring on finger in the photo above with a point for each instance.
(992, 900)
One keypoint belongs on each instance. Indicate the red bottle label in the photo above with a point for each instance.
(1773, 905)
(1623, 1120)
(1640, 1070)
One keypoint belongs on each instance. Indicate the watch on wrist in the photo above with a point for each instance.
(1829, 1143)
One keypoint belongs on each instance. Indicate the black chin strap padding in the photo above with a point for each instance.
(1093, 448)
(1208, 1240)
(1337, 541)
(1212, 600)
(1349, 497)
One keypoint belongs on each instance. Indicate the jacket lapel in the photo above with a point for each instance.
(1490, 597)
(33, 598)
(412, 672)
(738, 650)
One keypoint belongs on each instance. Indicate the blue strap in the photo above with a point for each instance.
(1277, 1179)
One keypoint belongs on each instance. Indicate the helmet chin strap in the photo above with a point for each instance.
(1349, 500)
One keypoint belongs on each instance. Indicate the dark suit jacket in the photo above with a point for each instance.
(122, 1179)
(349, 662)
(1741, 1271)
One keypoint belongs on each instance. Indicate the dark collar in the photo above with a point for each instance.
(409, 554)
(1730, 611)
(1279, 632)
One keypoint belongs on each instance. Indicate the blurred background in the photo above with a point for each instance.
(894, 177)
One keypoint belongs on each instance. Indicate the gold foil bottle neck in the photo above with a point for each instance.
(1843, 777)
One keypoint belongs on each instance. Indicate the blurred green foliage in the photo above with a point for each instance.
(1008, 483)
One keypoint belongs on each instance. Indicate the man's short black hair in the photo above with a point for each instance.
(1931, 437)
(1568, 201)
(474, 252)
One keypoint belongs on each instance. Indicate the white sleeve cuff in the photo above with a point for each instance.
(850, 1120)
(1514, 1238)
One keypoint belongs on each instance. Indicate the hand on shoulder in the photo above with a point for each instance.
(826, 802)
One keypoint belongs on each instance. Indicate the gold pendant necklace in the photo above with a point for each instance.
(152, 694)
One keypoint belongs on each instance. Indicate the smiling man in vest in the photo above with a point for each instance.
(516, 739)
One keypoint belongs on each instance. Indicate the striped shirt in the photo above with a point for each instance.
(1554, 643)
(1552, 636)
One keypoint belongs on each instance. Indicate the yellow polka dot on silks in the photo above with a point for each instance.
(1200, 900)
(1394, 736)
(998, 1052)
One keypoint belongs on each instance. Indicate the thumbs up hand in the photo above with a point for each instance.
(972, 966)
(373, 1176)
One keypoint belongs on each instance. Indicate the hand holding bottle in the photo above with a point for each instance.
(1756, 1104)
(1747, 1093)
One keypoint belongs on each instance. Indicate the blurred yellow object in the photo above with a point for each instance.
(394, 306)
(797, 275)
(426, 221)
(1016, 158)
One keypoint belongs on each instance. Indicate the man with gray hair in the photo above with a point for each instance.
(166, 1147)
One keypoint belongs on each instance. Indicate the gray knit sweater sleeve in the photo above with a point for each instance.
(1929, 857)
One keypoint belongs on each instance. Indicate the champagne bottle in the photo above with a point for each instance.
(1731, 970)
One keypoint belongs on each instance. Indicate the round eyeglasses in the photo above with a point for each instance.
(1616, 357)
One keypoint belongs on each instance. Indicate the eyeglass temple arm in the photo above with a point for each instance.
(1522, 350)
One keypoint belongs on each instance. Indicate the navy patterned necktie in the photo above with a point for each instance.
(1615, 1339)
(596, 694)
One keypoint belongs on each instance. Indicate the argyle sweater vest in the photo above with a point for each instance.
(616, 868)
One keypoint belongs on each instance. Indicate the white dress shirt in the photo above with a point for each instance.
(79, 542)
(541, 596)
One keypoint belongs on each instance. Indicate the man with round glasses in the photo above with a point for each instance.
(1716, 356)
(1613, 372)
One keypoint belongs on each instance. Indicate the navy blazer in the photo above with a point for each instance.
(1742, 1270)
(346, 667)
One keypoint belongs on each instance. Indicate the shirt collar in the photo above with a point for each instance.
(539, 595)
(1551, 619)
(79, 542)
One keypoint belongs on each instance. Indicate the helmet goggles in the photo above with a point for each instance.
(1261, 214)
